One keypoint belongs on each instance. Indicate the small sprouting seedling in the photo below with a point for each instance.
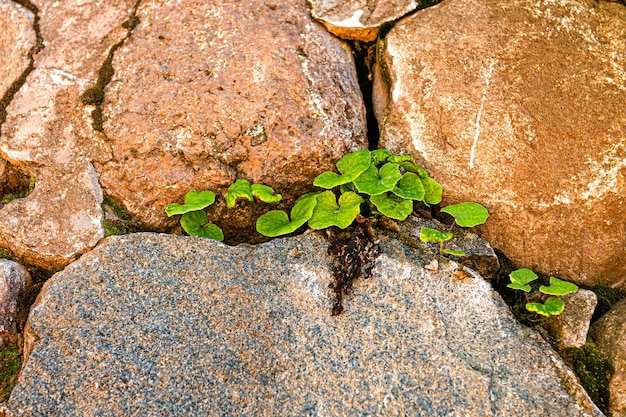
(242, 189)
(552, 305)
(432, 235)
(468, 214)
(194, 220)
(521, 278)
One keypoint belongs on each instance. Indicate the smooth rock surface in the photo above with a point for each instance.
(208, 92)
(160, 325)
(14, 280)
(520, 107)
(18, 37)
(48, 134)
(359, 19)
(610, 335)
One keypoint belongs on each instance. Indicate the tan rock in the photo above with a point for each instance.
(571, 326)
(204, 93)
(48, 134)
(18, 37)
(359, 19)
(610, 335)
(519, 107)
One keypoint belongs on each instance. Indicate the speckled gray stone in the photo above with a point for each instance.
(14, 280)
(160, 325)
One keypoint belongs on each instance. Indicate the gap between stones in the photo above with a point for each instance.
(94, 96)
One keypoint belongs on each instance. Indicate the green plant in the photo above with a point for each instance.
(194, 219)
(550, 306)
(468, 214)
(375, 182)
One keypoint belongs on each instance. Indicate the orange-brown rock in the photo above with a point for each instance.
(205, 93)
(519, 106)
(18, 37)
(359, 19)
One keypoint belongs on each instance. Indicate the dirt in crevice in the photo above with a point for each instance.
(21, 80)
(94, 96)
(354, 252)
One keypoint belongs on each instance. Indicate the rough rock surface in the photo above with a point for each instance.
(571, 326)
(359, 19)
(18, 37)
(195, 104)
(149, 324)
(48, 134)
(14, 280)
(610, 335)
(520, 107)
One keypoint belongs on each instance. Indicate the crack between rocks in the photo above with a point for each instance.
(8, 96)
(94, 96)
(364, 54)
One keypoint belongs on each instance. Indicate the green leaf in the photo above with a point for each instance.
(467, 214)
(350, 166)
(238, 189)
(328, 213)
(380, 155)
(552, 307)
(374, 181)
(399, 158)
(392, 206)
(194, 200)
(265, 193)
(432, 235)
(410, 166)
(520, 279)
(276, 223)
(454, 252)
(410, 187)
(558, 287)
(195, 224)
(432, 191)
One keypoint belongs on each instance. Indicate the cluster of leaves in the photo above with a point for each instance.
(467, 214)
(552, 305)
(195, 221)
(374, 182)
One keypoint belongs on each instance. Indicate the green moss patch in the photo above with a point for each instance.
(10, 365)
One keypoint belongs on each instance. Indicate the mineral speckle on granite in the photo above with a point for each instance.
(160, 325)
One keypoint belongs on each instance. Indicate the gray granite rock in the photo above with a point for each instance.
(160, 325)
(571, 326)
(14, 279)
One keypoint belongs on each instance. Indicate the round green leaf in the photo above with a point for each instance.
(238, 189)
(520, 279)
(409, 187)
(558, 287)
(195, 224)
(380, 155)
(392, 206)
(350, 166)
(276, 223)
(265, 193)
(194, 200)
(374, 181)
(432, 190)
(400, 158)
(552, 307)
(454, 252)
(432, 235)
(328, 213)
(467, 214)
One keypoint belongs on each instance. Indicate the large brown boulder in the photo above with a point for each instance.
(205, 93)
(519, 106)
